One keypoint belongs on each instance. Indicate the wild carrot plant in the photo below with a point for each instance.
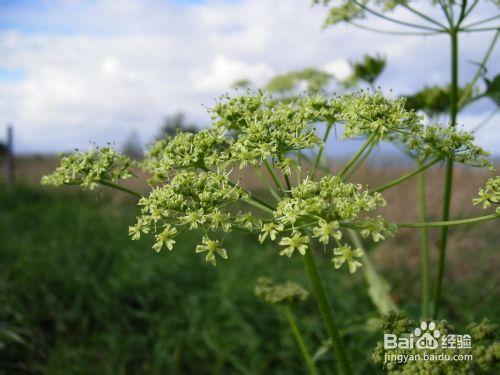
(193, 188)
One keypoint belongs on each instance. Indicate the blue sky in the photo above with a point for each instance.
(74, 72)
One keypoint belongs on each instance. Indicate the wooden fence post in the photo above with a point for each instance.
(9, 168)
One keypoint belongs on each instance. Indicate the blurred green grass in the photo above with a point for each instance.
(77, 296)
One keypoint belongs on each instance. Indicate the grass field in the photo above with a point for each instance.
(78, 297)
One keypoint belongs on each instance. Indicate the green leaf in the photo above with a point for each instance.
(493, 89)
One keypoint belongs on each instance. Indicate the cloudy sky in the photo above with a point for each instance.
(72, 71)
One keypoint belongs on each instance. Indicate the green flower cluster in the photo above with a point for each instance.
(186, 150)
(279, 294)
(438, 142)
(489, 194)
(191, 200)
(485, 349)
(365, 114)
(249, 129)
(259, 127)
(89, 168)
(192, 189)
(318, 210)
(361, 113)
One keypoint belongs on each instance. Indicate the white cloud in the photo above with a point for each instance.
(340, 69)
(97, 70)
(224, 71)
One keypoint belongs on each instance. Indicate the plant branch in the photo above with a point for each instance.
(424, 16)
(473, 5)
(485, 120)
(393, 20)
(287, 179)
(357, 155)
(450, 223)
(119, 187)
(485, 20)
(256, 202)
(481, 29)
(326, 312)
(485, 59)
(390, 32)
(321, 149)
(361, 160)
(461, 17)
(271, 171)
(406, 176)
(300, 342)
(446, 13)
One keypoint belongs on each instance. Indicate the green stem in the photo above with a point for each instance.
(394, 20)
(482, 29)
(485, 121)
(271, 171)
(406, 176)
(300, 342)
(446, 12)
(326, 312)
(424, 16)
(479, 70)
(391, 32)
(256, 202)
(449, 173)
(485, 20)
(119, 187)
(287, 179)
(321, 149)
(360, 161)
(463, 9)
(357, 155)
(473, 5)
(450, 223)
(424, 247)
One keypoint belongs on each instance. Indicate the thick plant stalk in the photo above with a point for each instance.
(300, 342)
(326, 313)
(449, 173)
(424, 246)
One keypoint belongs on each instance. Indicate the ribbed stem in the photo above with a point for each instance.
(424, 246)
(449, 173)
(326, 313)
(300, 342)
